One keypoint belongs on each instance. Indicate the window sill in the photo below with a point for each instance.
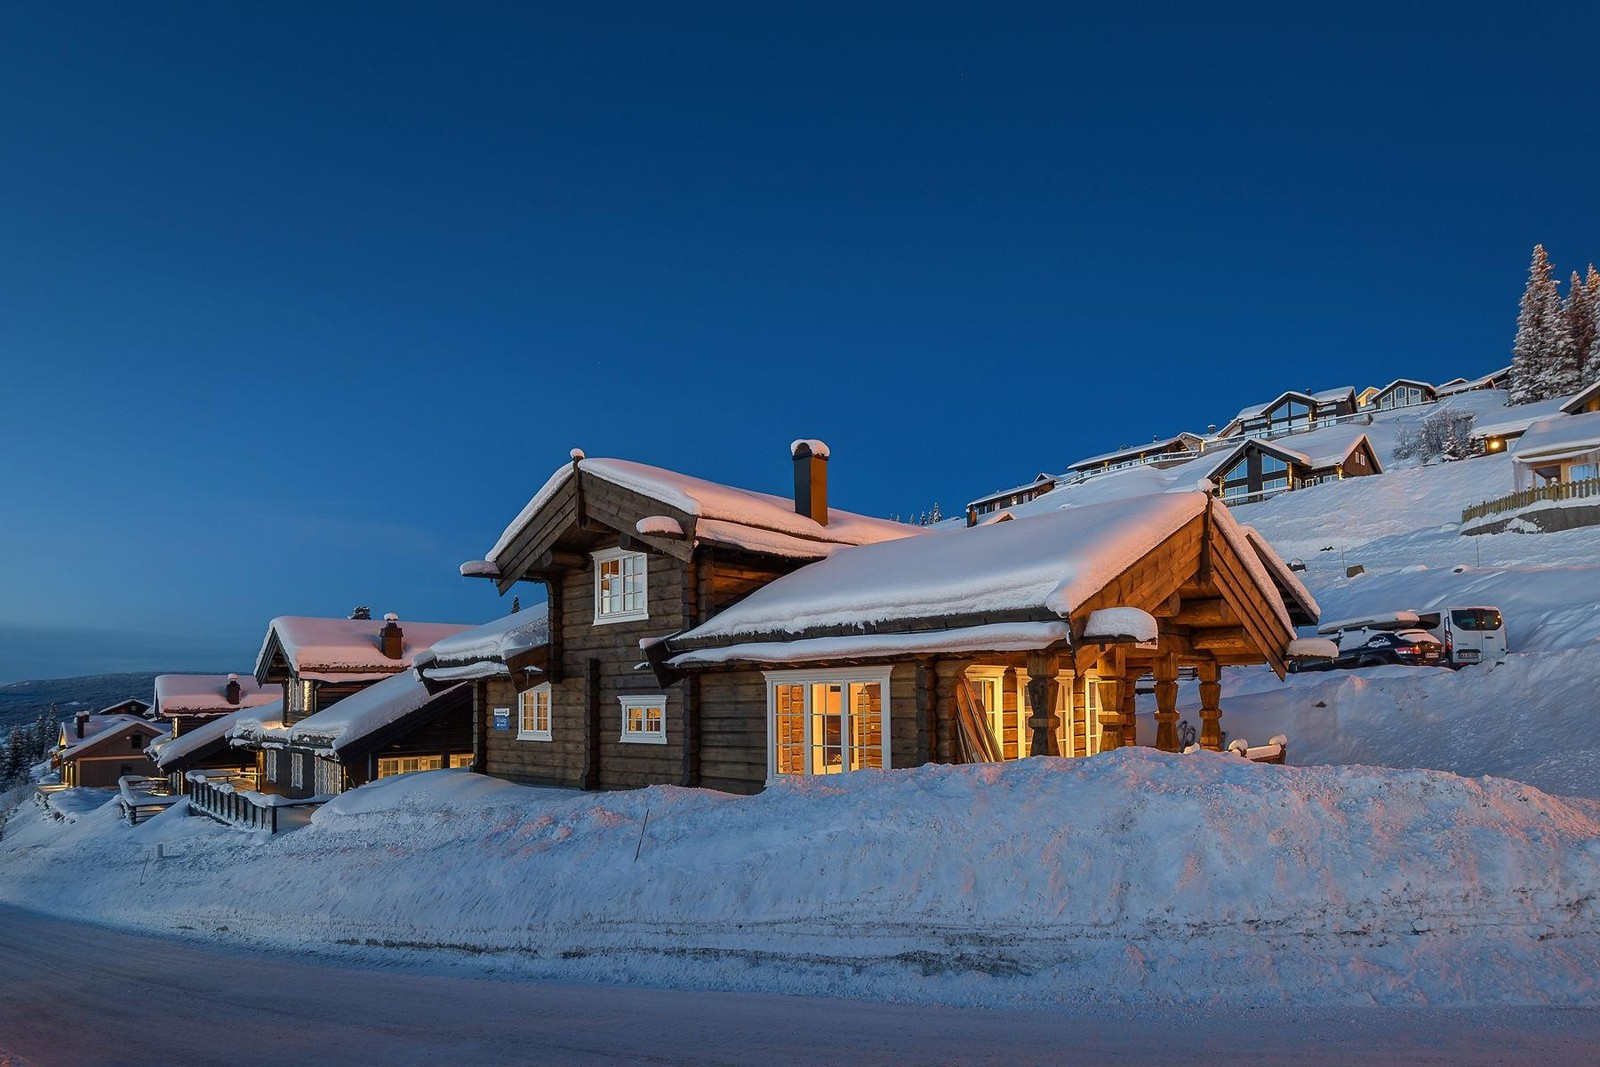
(643, 739)
(537, 735)
(630, 616)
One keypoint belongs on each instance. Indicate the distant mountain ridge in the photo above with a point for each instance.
(21, 702)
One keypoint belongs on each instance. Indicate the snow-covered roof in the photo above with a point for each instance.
(1419, 383)
(1048, 564)
(110, 709)
(169, 754)
(1286, 580)
(1461, 385)
(345, 649)
(103, 728)
(1258, 410)
(1574, 404)
(723, 513)
(1177, 442)
(1040, 479)
(486, 647)
(1342, 393)
(357, 717)
(1525, 416)
(994, 637)
(206, 694)
(1325, 447)
(1559, 438)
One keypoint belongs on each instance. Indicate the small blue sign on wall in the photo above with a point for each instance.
(502, 718)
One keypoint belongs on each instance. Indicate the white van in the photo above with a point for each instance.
(1470, 634)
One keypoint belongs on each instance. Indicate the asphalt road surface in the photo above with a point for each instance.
(77, 994)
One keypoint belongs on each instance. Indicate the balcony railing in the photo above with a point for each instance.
(230, 797)
(1584, 487)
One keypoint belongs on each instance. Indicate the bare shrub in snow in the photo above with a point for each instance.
(1443, 435)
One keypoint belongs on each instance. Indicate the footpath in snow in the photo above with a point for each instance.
(1189, 879)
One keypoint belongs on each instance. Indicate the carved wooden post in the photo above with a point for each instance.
(1166, 672)
(1210, 709)
(947, 675)
(1109, 707)
(1042, 717)
(1128, 696)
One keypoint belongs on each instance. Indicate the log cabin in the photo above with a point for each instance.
(93, 751)
(187, 702)
(755, 640)
(628, 554)
(319, 663)
(997, 642)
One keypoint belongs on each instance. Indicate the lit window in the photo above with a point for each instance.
(533, 719)
(389, 767)
(619, 586)
(826, 721)
(644, 719)
(460, 759)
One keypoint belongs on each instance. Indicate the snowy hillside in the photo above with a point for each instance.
(1197, 879)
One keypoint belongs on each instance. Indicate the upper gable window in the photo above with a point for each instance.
(619, 586)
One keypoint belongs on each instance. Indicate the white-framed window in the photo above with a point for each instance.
(827, 721)
(1077, 734)
(270, 759)
(1010, 730)
(392, 765)
(297, 770)
(328, 777)
(533, 713)
(644, 718)
(620, 586)
(460, 759)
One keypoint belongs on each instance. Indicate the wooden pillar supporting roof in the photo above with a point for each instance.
(1166, 672)
(1210, 711)
(1043, 720)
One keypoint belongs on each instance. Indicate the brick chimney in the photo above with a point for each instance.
(231, 692)
(81, 718)
(810, 479)
(391, 639)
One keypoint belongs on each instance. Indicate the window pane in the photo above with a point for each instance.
(827, 729)
(866, 724)
(789, 728)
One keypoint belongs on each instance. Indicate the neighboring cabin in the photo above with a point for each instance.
(130, 706)
(1292, 412)
(1402, 393)
(319, 663)
(189, 702)
(699, 634)
(93, 751)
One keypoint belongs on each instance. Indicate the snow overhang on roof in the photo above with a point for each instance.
(379, 707)
(1557, 438)
(708, 512)
(207, 694)
(1034, 569)
(344, 649)
(483, 651)
(1574, 406)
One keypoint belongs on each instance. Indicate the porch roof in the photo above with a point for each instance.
(998, 637)
(487, 647)
(176, 753)
(375, 709)
(1042, 566)
(1561, 437)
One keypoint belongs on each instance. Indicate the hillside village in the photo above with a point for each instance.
(1147, 601)
(696, 634)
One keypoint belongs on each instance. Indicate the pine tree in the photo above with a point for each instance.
(1591, 366)
(15, 762)
(1574, 338)
(1538, 319)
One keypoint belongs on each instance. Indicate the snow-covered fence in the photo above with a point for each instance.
(218, 796)
(1578, 490)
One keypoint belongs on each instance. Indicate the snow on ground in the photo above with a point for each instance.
(1190, 879)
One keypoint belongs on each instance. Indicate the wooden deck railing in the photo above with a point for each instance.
(1585, 487)
(225, 798)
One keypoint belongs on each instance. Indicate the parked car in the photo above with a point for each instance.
(1470, 634)
(1369, 648)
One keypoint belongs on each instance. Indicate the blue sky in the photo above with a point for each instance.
(299, 303)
